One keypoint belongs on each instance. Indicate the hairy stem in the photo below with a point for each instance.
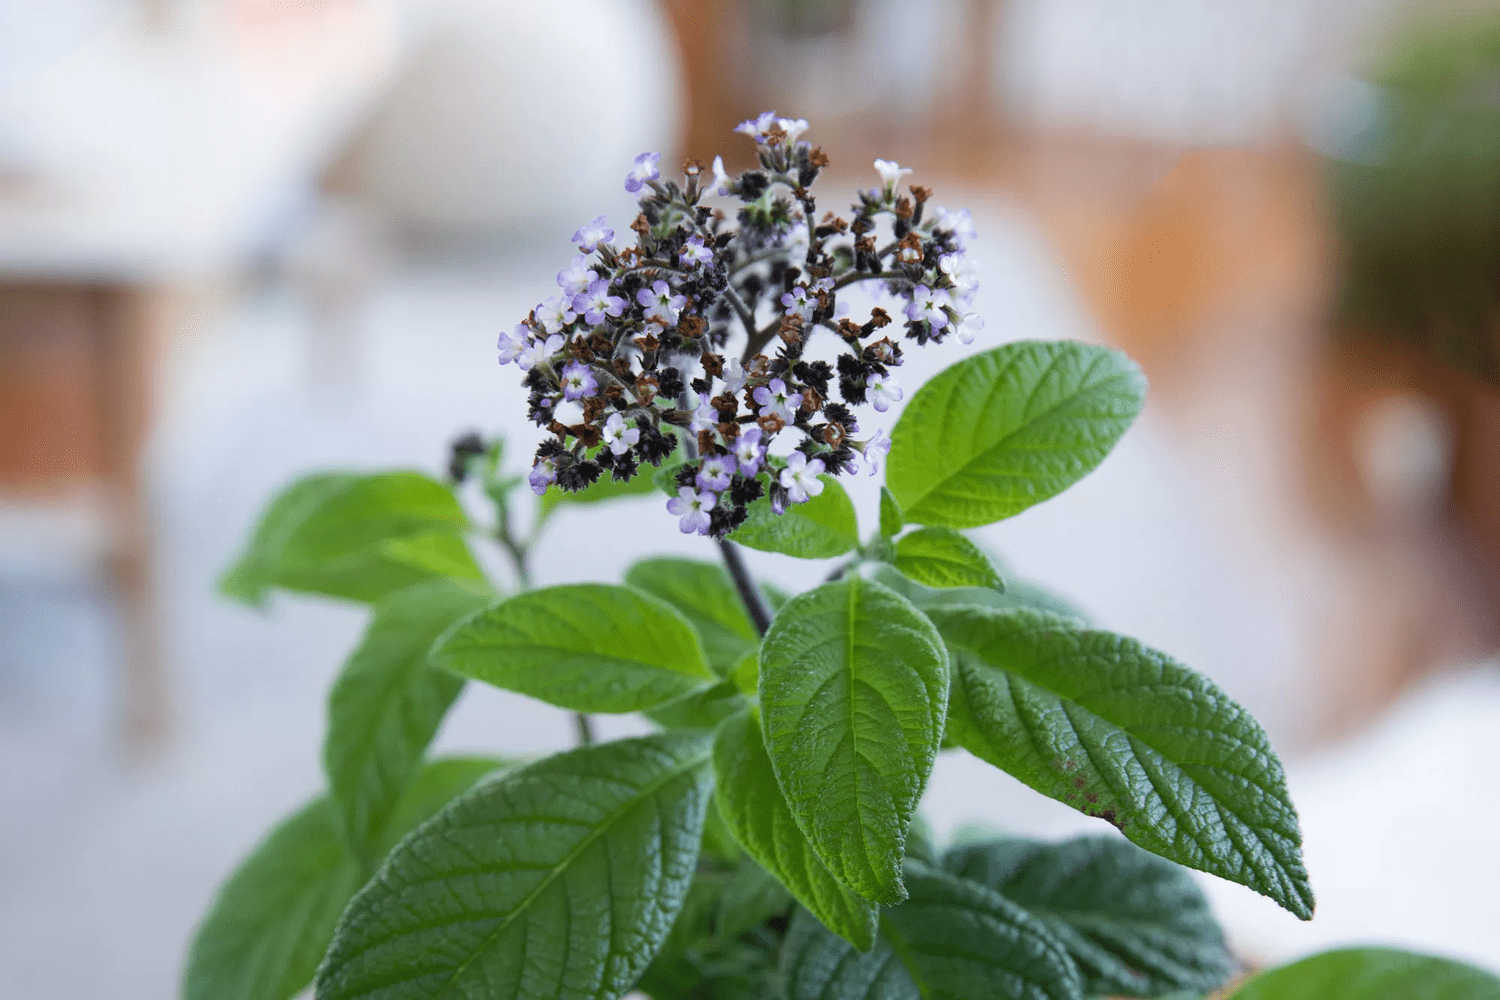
(584, 727)
(750, 595)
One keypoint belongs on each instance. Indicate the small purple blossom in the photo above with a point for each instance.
(597, 303)
(927, 306)
(722, 184)
(590, 237)
(962, 272)
(734, 376)
(800, 477)
(695, 252)
(510, 345)
(618, 435)
(715, 473)
(757, 127)
(555, 313)
(968, 326)
(749, 452)
(875, 451)
(960, 223)
(539, 351)
(798, 304)
(578, 381)
(882, 391)
(660, 302)
(645, 169)
(705, 417)
(577, 278)
(692, 509)
(774, 400)
(543, 474)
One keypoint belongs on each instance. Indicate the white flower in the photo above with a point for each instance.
(619, 435)
(577, 278)
(793, 127)
(927, 306)
(693, 510)
(539, 351)
(960, 223)
(963, 272)
(705, 417)
(511, 345)
(716, 473)
(875, 451)
(734, 376)
(891, 173)
(800, 477)
(555, 313)
(968, 327)
(798, 304)
(721, 179)
(747, 451)
(882, 390)
(756, 127)
(774, 400)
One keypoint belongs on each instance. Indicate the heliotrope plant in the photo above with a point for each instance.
(765, 842)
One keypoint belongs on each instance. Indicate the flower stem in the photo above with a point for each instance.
(750, 595)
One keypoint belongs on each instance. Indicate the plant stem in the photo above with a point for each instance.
(750, 595)
(584, 726)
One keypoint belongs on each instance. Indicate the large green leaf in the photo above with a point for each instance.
(824, 527)
(354, 536)
(706, 596)
(559, 880)
(942, 557)
(1017, 594)
(1129, 735)
(271, 922)
(757, 813)
(854, 687)
(589, 647)
(891, 521)
(1372, 974)
(1135, 924)
(388, 703)
(1009, 428)
(952, 940)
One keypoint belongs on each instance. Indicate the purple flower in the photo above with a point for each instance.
(968, 326)
(882, 390)
(692, 508)
(734, 376)
(694, 252)
(543, 474)
(756, 127)
(748, 451)
(511, 345)
(590, 237)
(597, 303)
(962, 272)
(927, 306)
(960, 223)
(715, 473)
(774, 400)
(577, 278)
(797, 303)
(643, 171)
(723, 184)
(800, 477)
(555, 313)
(705, 417)
(661, 305)
(578, 381)
(875, 451)
(539, 351)
(619, 435)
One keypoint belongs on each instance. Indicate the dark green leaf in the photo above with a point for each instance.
(1129, 735)
(952, 940)
(920, 843)
(942, 557)
(1372, 974)
(706, 596)
(854, 687)
(700, 710)
(1009, 428)
(354, 536)
(822, 528)
(272, 920)
(891, 521)
(559, 880)
(588, 647)
(1135, 924)
(388, 703)
(751, 897)
(755, 810)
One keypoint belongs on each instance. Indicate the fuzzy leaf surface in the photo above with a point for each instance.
(853, 691)
(952, 940)
(1372, 974)
(891, 521)
(1009, 428)
(387, 704)
(706, 597)
(559, 880)
(944, 558)
(1129, 735)
(824, 527)
(1135, 924)
(588, 647)
(760, 819)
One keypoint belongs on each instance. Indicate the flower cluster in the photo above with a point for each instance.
(630, 362)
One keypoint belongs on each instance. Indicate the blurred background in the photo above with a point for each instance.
(244, 239)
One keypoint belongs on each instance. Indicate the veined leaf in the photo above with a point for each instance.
(1135, 924)
(1129, 735)
(824, 527)
(1009, 428)
(707, 598)
(700, 710)
(588, 647)
(760, 819)
(942, 557)
(1017, 594)
(853, 687)
(1372, 974)
(891, 521)
(271, 922)
(388, 703)
(559, 880)
(952, 940)
(354, 536)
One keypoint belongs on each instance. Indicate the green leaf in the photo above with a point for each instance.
(752, 896)
(854, 687)
(1135, 924)
(700, 710)
(387, 705)
(353, 536)
(952, 940)
(1009, 428)
(271, 922)
(942, 557)
(706, 596)
(1017, 594)
(1372, 974)
(760, 819)
(822, 528)
(589, 647)
(891, 521)
(1129, 735)
(559, 880)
